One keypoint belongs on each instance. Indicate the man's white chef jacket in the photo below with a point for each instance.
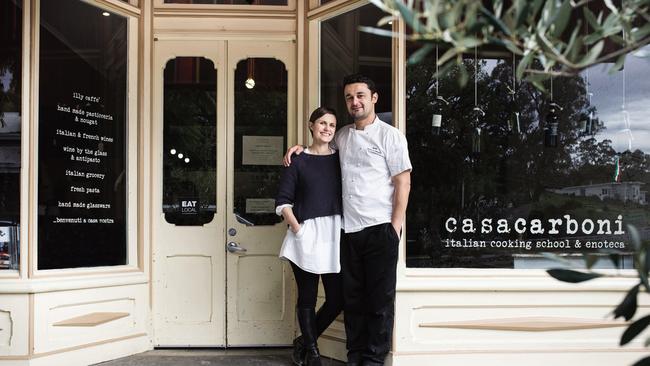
(369, 158)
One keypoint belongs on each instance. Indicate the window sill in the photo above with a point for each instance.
(52, 284)
(458, 279)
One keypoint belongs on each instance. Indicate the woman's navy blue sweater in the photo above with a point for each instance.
(312, 184)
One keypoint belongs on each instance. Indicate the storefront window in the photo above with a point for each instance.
(82, 124)
(189, 141)
(229, 2)
(260, 138)
(346, 50)
(497, 190)
(11, 34)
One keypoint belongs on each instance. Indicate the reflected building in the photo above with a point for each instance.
(621, 191)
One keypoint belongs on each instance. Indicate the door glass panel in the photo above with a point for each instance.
(260, 138)
(189, 141)
(11, 36)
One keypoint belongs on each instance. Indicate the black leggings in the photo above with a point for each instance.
(308, 290)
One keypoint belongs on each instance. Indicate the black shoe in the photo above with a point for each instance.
(312, 357)
(298, 355)
(354, 359)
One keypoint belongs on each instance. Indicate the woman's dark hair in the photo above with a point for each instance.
(320, 112)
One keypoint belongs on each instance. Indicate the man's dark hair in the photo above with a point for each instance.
(320, 112)
(360, 78)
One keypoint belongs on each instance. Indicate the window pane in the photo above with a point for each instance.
(11, 34)
(346, 50)
(496, 191)
(260, 138)
(82, 176)
(190, 141)
(229, 2)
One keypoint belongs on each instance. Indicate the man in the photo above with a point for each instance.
(376, 180)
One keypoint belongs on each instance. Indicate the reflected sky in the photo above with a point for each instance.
(614, 104)
(620, 95)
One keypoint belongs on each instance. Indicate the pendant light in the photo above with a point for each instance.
(552, 123)
(513, 120)
(626, 116)
(436, 118)
(478, 112)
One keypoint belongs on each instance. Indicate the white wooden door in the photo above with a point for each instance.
(261, 117)
(189, 160)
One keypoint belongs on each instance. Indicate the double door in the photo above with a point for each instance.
(223, 113)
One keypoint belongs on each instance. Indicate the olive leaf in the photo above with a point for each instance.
(549, 31)
(569, 275)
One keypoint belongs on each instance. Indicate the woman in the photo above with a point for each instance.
(309, 199)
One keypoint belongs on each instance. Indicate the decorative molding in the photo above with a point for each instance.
(10, 324)
(528, 324)
(91, 319)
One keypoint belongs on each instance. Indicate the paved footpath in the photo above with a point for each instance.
(210, 357)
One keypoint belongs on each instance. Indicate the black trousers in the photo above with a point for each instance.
(308, 290)
(369, 263)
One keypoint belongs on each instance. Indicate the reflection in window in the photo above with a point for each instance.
(11, 35)
(82, 124)
(490, 191)
(229, 2)
(260, 138)
(189, 141)
(346, 50)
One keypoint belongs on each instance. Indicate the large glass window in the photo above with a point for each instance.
(260, 138)
(82, 180)
(346, 50)
(189, 161)
(497, 190)
(11, 34)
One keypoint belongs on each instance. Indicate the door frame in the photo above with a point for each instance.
(219, 52)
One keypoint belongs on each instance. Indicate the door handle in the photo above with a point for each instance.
(233, 247)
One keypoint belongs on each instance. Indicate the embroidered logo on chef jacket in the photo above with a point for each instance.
(375, 150)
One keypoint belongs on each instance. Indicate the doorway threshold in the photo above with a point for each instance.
(213, 357)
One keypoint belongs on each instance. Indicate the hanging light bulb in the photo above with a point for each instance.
(250, 81)
(436, 118)
(476, 132)
(476, 140)
(584, 127)
(551, 125)
(513, 119)
(436, 121)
